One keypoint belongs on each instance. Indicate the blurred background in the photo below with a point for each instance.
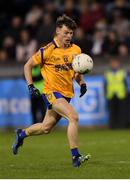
(103, 32)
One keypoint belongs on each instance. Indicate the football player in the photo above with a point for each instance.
(55, 60)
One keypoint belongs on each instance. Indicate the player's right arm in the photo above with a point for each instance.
(28, 70)
(34, 92)
(36, 59)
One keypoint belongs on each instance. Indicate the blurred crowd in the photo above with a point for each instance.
(103, 26)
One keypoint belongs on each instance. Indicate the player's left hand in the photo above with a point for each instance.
(83, 89)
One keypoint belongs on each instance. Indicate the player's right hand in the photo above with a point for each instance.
(34, 92)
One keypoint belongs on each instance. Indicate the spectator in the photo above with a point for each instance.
(32, 20)
(71, 10)
(84, 42)
(86, 21)
(121, 5)
(51, 8)
(14, 28)
(115, 89)
(123, 50)
(3, 56)
(97, 12)
(33, 15)
(9, 46)
(26, 47)
(111, 43)
(46, 29)
(90, 15)
(128, 97)
(102, 25)
(120, 25)
(97, 43)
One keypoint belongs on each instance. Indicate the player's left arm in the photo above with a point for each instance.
(80, 80)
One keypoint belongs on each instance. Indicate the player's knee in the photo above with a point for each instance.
(74, 117)
(46, 130)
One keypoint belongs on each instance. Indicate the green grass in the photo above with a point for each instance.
(48, 156)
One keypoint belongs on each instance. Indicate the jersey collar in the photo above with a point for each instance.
(55, 42)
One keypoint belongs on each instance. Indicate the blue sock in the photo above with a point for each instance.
(23, 134)
(75, 152)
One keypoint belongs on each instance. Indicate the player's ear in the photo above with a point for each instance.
(57, 30)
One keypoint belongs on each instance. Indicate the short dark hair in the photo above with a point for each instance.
(67, 21)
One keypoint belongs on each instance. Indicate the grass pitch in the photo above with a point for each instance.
(48, 156)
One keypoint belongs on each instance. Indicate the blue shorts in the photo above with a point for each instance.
(51, 97)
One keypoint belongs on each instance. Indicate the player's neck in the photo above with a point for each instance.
(64, 46)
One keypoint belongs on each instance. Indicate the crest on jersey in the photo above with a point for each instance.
(65, 57)
(49, 96)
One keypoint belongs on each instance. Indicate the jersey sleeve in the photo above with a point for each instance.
(38, 57)
(79, 50)
(41, 55)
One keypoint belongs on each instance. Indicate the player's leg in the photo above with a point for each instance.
(45, 127)
(62, 107)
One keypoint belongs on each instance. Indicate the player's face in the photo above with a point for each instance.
(65, 35)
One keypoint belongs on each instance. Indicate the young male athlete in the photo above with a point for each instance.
(56, 68)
